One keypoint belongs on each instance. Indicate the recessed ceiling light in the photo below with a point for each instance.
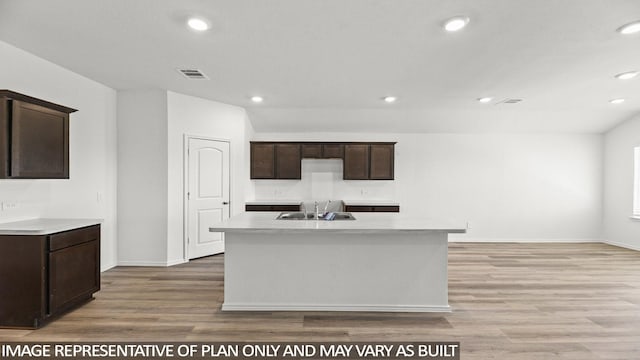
(198, 24)
(627, 75)
(616, 101)
(456, 23)
(257, 99)
(389, 99)
(630, 28)
(485, 100)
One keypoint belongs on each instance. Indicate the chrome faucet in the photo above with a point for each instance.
(326, 206)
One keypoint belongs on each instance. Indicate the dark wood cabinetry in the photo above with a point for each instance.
(322, 151)
(312, 151)
(34, 138)
(275, 160)
(372, 208)
(263, 161)
(333, 151)
(288, 164)
(42, 276)
(369, 161)
(356, 162)
(271, 207)
(362, 161)
(381, 161)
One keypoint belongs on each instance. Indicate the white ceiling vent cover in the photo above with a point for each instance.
(193, 74)
(509, 101)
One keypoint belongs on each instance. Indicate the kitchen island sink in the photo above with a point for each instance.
(310, 216)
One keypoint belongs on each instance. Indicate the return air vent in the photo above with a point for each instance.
(193, 74)
(509, 101)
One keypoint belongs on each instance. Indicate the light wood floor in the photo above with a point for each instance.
(510, 301)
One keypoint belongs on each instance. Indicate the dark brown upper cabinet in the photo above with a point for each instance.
(362, 161)
(322, 151)
(381, 161)
(312, 151)
(34, 138)
(356, 162)
(263, 161)
(275, 161)
(333, 151)
(288, 164)
(373, 161)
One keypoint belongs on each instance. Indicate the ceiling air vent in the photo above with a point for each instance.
(509, 101)
(193, 74)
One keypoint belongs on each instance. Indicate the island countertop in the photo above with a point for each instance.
(364, 223)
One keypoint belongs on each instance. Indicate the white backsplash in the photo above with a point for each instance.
(321, 180)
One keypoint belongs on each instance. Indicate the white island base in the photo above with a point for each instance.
(325, 270)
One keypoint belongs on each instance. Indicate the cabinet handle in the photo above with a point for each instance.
(225, 203)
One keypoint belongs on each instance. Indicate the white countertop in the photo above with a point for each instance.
(364, 223)
(44, 226)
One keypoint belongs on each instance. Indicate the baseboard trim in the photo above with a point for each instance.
(510, 240)
(618, 244)
(108, 267)
(177, 262)
(144, 263)
(311, 307)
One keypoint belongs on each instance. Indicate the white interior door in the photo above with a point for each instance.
(207, 195)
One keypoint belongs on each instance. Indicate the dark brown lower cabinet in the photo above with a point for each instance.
(374, 208)
(42, 276)
(267, 207)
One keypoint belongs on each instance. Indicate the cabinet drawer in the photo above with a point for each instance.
(74, 237)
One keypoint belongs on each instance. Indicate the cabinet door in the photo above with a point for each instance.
(74, 275)
(311, 151)
(356, 162)
(263, 165)
(333, 151)
(381, 162)
(39, 142)
(288, 161)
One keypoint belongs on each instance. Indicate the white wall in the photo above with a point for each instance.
(510, 187)
(619, 142)
(142, 177)
(193, 116)
(91, 190)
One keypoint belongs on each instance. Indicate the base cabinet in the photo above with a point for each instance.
(372, 208)
(269, 207)
(42, 276)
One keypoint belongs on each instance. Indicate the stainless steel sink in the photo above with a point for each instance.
(309, 216)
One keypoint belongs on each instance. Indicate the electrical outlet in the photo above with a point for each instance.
(6, 205)
(468, 224)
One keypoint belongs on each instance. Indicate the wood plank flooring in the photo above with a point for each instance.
(510, 301)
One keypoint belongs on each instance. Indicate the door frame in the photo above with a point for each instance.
(185, 187)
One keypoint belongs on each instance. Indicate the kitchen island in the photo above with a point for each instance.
(378, 262)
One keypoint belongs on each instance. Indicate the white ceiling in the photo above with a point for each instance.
(323, 65)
